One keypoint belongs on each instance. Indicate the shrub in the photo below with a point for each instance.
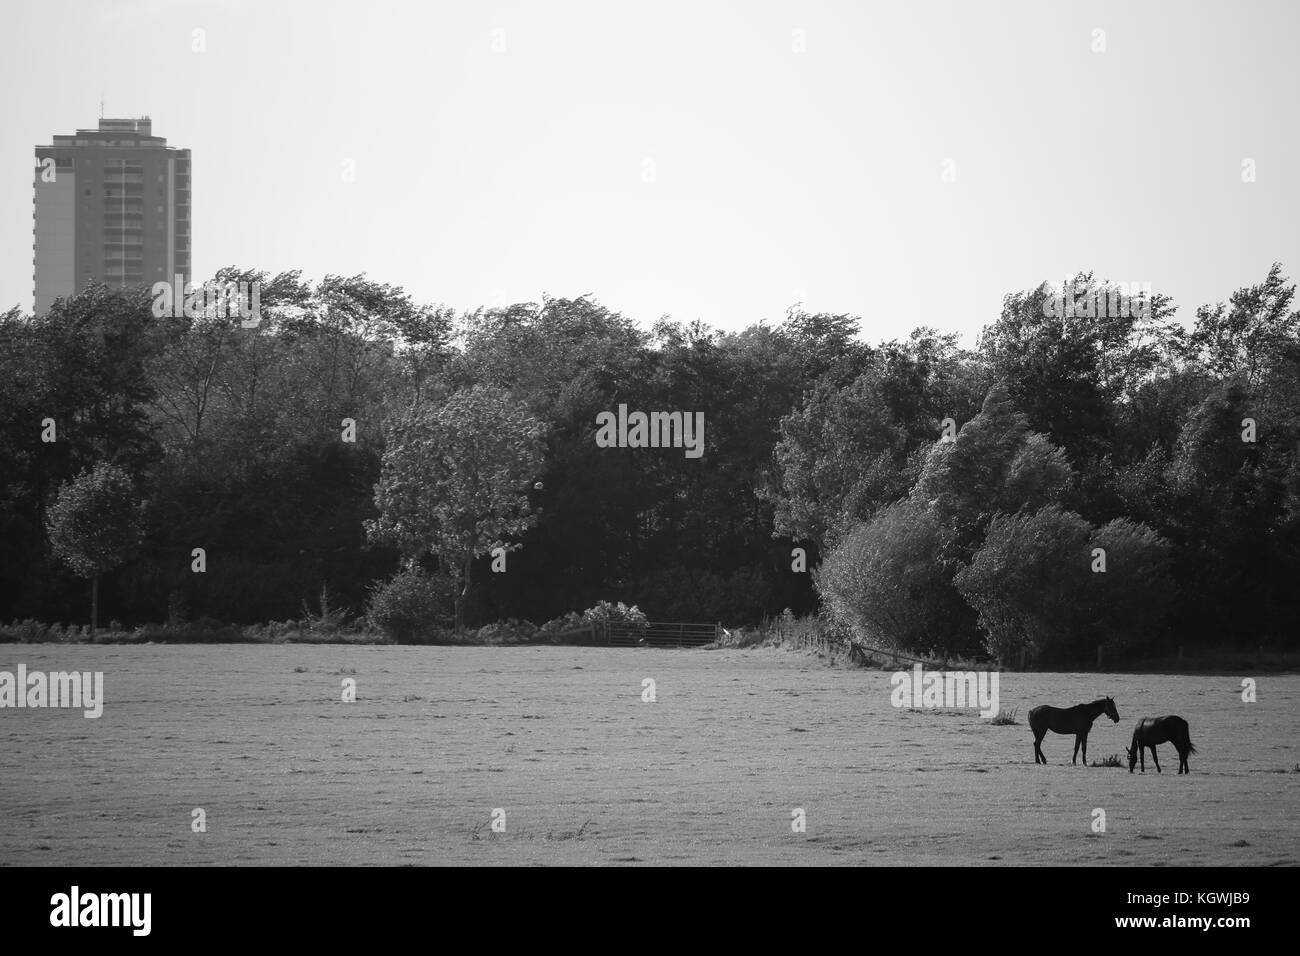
(1033, 587)
(273, 632)
(620, 613)
(1131, 600)
(506, 632)
(743, 637)
(24, 632)
(411, 607)
(328, 621)
(1027, 583)
(603, 613)
(205, 630)
(558, 625)
(886, 584)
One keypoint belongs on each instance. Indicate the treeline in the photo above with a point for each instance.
(1064, 425)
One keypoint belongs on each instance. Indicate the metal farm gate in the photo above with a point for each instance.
(653, 634)
(661, 634)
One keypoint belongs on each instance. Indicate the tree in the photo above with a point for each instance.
(1243, 341)
(74, 390)
(1228, 516)
(1035, 586)
(410, 606)
(849, 451)
(885, 581)
(1028, 583)
(453, 482)
(841, 456)
(94, 525)
(1068, 359)
(996, 464)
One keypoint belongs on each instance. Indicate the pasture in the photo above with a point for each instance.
(587, 773)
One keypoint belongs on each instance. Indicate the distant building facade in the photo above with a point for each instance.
(112, 205)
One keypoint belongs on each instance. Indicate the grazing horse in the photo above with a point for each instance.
(1075, 720)
(1160, 730)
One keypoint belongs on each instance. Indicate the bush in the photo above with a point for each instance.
(328, 622)
(203, 631)
(273, 632)
(569, 622)
(602, 613)
(1027, 584)
(1132, 599)
(506, 632)
(1033, 587)
(24, 632)
(558, 625)
(885, 583)
(620, 613)
(412, 607)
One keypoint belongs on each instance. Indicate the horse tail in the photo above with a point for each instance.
(1191, 747)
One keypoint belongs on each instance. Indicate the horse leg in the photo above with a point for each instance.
(1038, 750)
(1077, 740)
(1142, 756)
(1155, 758)
(1085, 750)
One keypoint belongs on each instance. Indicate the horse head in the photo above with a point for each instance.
(1111, 712)
(1132, 757)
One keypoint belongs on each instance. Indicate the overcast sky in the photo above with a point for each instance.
(695, 159)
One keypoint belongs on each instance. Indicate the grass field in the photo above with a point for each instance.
(588, 773)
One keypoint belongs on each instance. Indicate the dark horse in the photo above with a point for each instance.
(1075, 720)
(1160, 730)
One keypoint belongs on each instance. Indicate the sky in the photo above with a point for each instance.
(908, 162)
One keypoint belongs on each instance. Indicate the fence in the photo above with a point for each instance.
(812, 634)
(652, 634)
